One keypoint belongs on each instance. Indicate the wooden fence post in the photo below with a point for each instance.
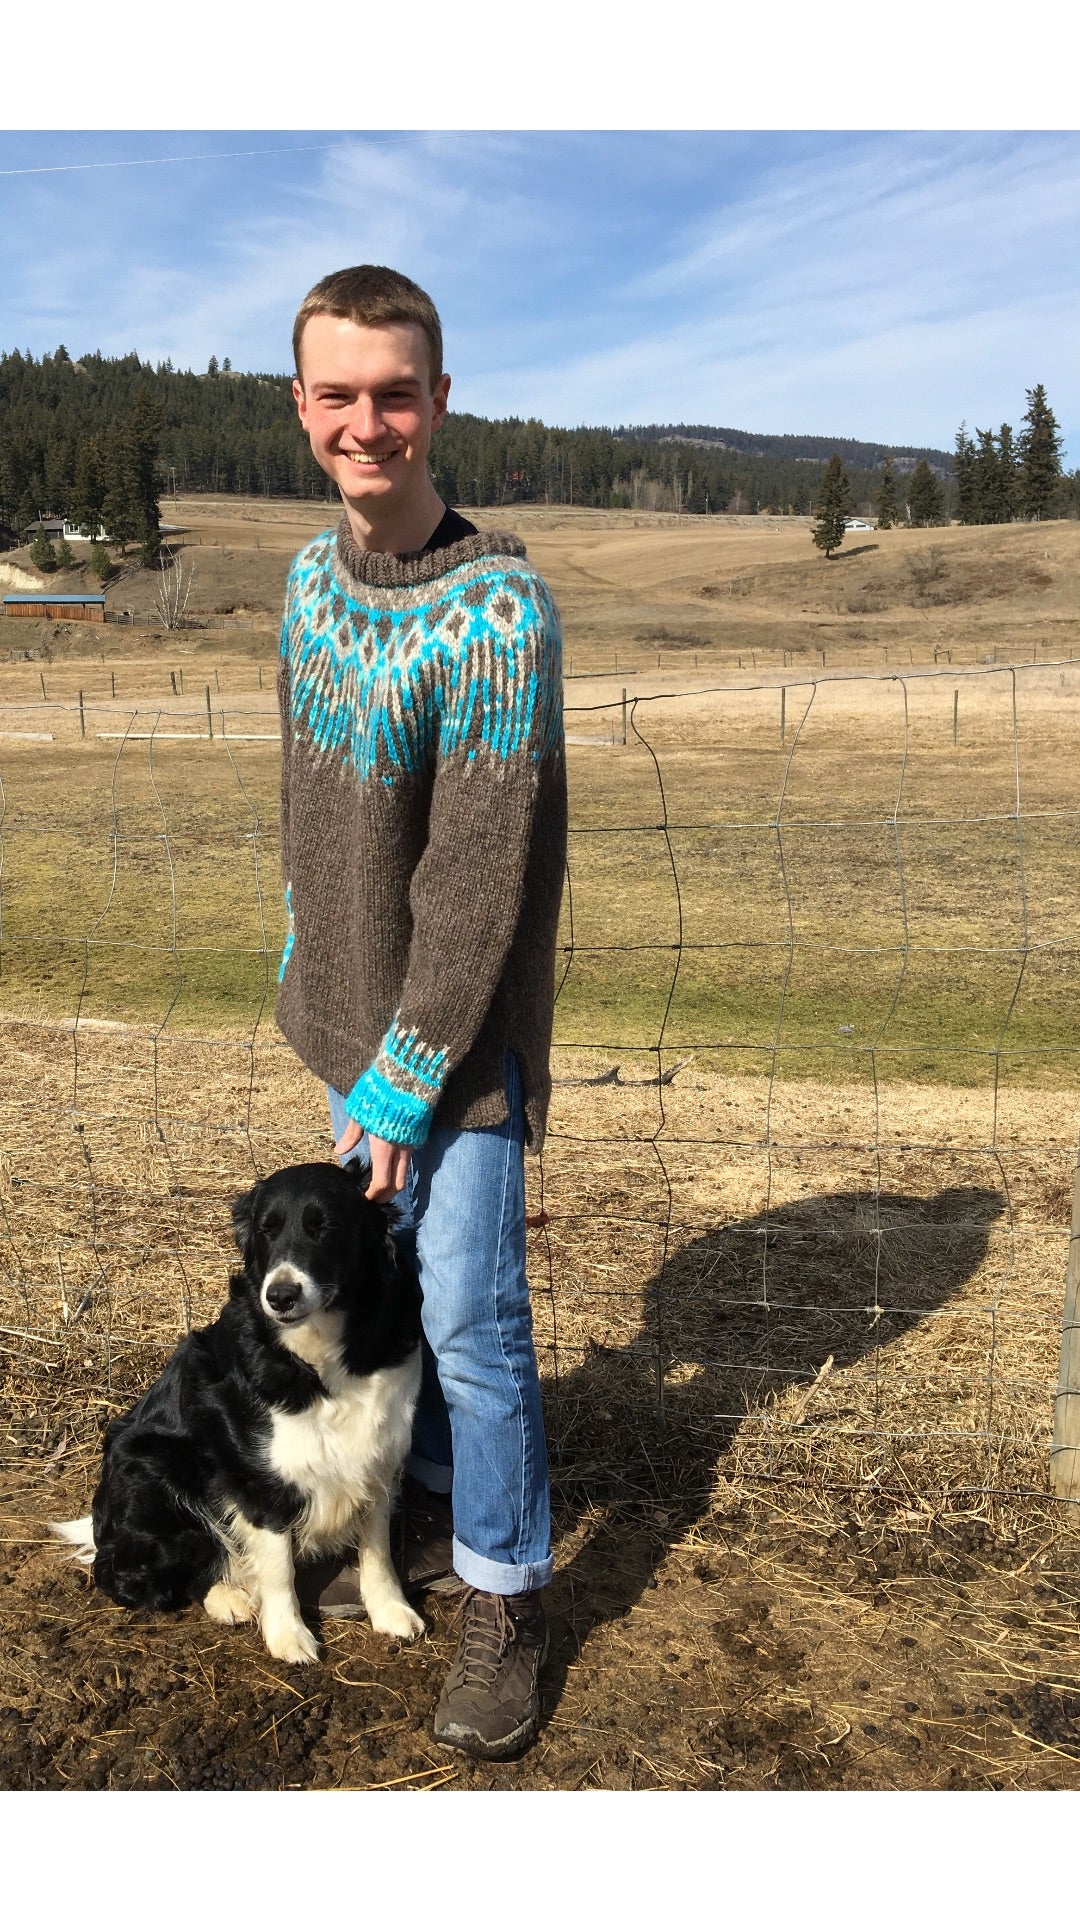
(209, 716)
(1065, 1447)
(82, 716)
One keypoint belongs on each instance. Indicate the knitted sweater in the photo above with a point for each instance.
(423, 827)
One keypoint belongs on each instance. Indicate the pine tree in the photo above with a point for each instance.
(1040, 456)
(88, 493)
(885, 500)
(926, 497)
(119, 504)
(41, 552)
(65, 559)
(101, 565)
(1007, 476)
(144, 441)
(984, 471)
(964, 480)
(833, 507)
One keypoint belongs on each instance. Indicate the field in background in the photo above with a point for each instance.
(806, 1189)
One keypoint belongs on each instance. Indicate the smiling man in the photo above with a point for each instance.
(423, 808)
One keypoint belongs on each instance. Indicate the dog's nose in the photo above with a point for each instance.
(283, 1294)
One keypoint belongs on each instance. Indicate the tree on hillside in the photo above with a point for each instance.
(101, 565)
(885, 499)
(833, 507)
(88, 493)
(1006, 497)
(1040, 456)
(41, 552)
(984, 473)
(65, 559)
(925, 497)
(964, 478)
(144, 441)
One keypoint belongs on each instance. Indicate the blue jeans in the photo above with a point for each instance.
(479, 1430)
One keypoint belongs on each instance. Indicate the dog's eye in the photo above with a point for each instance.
(315, 1223)
(268, 1227)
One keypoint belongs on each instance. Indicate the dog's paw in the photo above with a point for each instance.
(398, 1618)
(290, 1640)
(229, 1606)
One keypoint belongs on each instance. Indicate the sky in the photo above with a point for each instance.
(882, 285)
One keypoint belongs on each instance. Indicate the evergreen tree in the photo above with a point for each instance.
(885, 499)
(144, 441)
(964, 479)
(41, 552)
(65, 559)
(88, 493)
(212, 366)
(926, 497)
(1040, 456)
(119, 503)
(833, 507)
(985, 477)
(101, 565)
(1007, 495)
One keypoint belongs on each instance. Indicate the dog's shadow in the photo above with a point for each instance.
(737, 1317)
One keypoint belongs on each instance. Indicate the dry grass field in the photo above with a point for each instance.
(805, 1197)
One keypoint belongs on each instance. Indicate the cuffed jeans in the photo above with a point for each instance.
(478, 1431)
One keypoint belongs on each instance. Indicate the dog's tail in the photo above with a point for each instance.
(79, 1536)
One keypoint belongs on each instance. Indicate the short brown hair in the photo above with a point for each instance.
(372, 297)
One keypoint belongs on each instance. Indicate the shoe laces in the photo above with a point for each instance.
(488, 1629)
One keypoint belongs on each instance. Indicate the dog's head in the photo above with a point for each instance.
(310, 1239)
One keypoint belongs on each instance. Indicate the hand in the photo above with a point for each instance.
(389, 1168)
(351, 1137)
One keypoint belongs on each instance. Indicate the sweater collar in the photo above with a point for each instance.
(412, 569)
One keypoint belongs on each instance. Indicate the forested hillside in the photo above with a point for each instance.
(65, 426)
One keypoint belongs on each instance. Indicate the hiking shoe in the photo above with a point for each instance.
(422, 1540)
(422, 1548)
(490, 1704)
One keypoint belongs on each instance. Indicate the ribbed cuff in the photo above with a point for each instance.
(397, 1096)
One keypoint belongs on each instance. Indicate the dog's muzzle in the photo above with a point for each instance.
(285, 1296)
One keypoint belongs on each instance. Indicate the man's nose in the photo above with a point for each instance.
(365, 419)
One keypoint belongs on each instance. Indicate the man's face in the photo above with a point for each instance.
(366, 402)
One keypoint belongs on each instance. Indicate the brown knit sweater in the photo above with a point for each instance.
(423, 825)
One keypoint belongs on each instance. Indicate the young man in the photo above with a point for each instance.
(423, 845)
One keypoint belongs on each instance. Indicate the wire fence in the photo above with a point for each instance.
(803, 1209)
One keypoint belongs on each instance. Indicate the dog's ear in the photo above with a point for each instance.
(360, 1171)
(243, 1219)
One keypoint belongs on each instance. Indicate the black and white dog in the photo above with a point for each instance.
(276, 1433)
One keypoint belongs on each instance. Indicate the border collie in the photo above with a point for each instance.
(275, 1434)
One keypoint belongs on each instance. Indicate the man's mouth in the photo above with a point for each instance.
(370, 459)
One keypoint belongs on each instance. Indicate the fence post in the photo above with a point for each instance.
(209, 716)
(783, 713)
(624, 716)
(1065, 1447)
(44, 695)
(82, 716)
(955, 714)
(112, 677)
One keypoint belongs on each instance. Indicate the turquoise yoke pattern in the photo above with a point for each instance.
(438, 673)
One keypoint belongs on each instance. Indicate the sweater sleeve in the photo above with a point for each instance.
(499, 737)
(285, 723)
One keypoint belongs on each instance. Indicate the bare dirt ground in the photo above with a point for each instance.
(798, 1338)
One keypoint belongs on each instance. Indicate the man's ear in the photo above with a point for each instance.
(243, 1219)
(439, 397)
(300, 397)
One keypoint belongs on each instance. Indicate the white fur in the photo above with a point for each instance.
(79, 1534)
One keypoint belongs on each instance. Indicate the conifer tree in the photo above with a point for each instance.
(833, 507)
(985, 477)
(144, 440)
(41, 552)
(885, 501)
(65, 559)
(87, 499)
(1007, 475)
(964, 479)
(926, 497)
(1040, 456)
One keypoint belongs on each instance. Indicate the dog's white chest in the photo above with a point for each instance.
(344, 1448)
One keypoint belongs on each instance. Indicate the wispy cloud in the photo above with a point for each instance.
(883, 285)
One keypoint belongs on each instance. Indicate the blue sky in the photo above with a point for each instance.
(882, 285)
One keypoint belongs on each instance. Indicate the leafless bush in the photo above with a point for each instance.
(174, 590)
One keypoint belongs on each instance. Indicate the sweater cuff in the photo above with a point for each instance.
(397, 1096)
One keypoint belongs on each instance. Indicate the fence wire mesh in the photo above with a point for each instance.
(804, 1199)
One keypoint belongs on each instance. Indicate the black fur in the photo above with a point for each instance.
(192, 1446)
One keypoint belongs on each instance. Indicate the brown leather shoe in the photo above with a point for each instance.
(490, 1703)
